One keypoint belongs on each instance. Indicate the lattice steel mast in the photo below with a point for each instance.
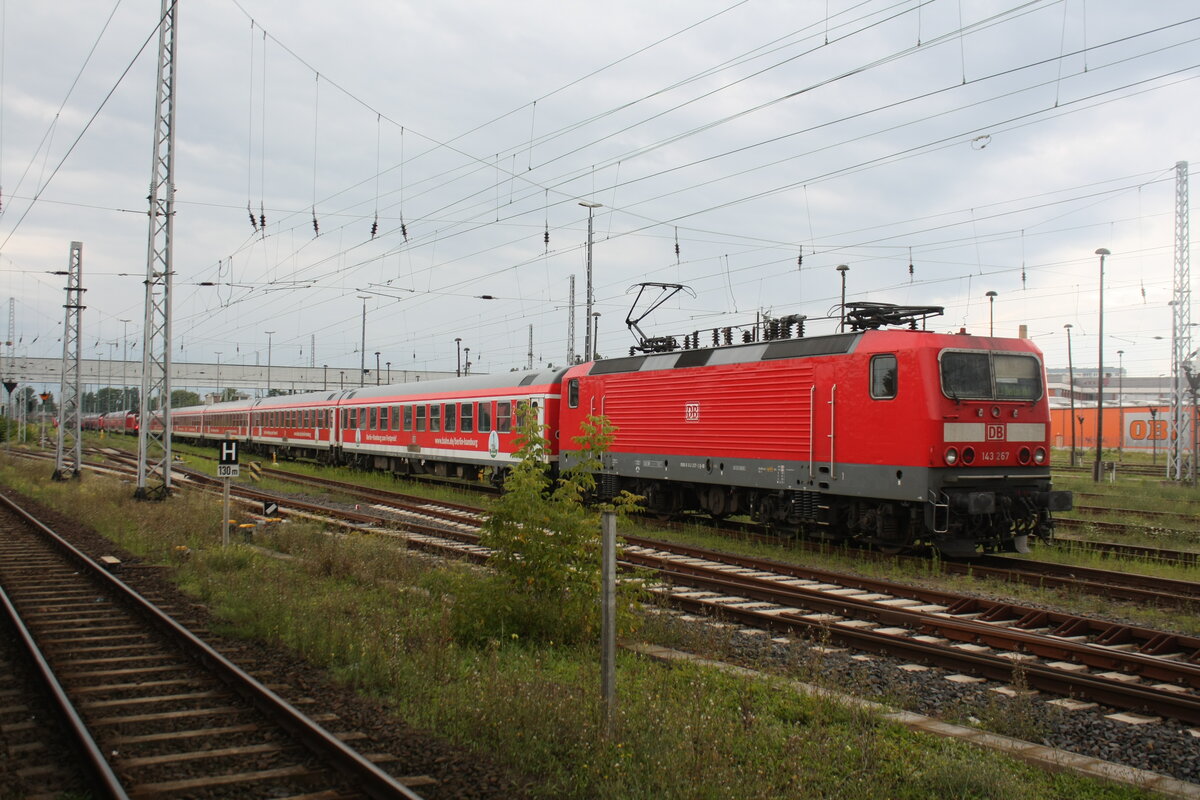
(70, 443)
(1179, 462)
(571, 324)
(154, 429)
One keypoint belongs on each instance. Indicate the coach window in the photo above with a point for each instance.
(420, 418)
(373, 424)
(408, 418)
(573, 393)
(883, 377)
(450, 413)
(503, 416)
(485, 416)
(435, 418)
(468, 418)
(394, 416)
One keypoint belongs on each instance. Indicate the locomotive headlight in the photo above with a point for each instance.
(951, 456)
(1039, 456)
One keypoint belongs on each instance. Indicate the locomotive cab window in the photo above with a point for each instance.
(573, 393)
(983, 375)
(883, 377)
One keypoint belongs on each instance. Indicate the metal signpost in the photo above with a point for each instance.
(227, 468)
(608, 619)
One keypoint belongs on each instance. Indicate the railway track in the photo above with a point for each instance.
(1119, 665)
(158, 712)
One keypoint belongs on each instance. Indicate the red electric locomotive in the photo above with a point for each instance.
(892, 437)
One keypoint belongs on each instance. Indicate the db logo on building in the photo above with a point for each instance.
(691, 412)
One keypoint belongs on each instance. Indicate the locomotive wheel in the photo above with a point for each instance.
(716, 502)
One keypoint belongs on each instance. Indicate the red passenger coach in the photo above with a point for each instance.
(894, 437)
(453, 427)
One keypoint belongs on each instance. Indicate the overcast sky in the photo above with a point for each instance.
(994, 146)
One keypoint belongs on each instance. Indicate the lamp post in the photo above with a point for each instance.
(589, 346)
(1153, 436)
(341, 379)
(112, 354)
(220, 391)
(595, 334)
(843, 269)
(389, 366)
(376, 367)
(1097, 471)
(991, 296)
(1071, 390)
(324, 377)
(362, 350)
(467, 368)
(1121, 400)
(458, 357)
(124, 362)
(270, 341)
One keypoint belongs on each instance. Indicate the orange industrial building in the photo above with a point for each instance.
(1141, 428)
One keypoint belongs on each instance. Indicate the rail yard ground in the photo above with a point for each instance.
(375, 616)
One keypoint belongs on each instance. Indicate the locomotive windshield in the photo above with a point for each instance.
(983, 375)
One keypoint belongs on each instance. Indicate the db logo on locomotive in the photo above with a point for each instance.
(995, 433)
(691, 412)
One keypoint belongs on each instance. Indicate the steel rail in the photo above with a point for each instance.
(106, 780)
(996, 667)
(370, 778)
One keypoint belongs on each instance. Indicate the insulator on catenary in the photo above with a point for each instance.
(262, 220)
(404, 230)
(253, 221)
(316, 227)
(375, 227)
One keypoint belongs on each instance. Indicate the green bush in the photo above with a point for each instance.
(546, 547)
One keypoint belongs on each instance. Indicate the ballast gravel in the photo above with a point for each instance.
(1167, 747)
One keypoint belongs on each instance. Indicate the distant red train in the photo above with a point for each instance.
(111, 422)
(894, 437)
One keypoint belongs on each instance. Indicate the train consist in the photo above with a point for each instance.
(894, 437)
(112, 422)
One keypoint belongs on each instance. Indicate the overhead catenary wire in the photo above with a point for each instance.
(446, 225)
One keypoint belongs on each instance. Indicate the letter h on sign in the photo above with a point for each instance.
(229, 453)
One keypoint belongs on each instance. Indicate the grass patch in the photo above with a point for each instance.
(377, 617)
